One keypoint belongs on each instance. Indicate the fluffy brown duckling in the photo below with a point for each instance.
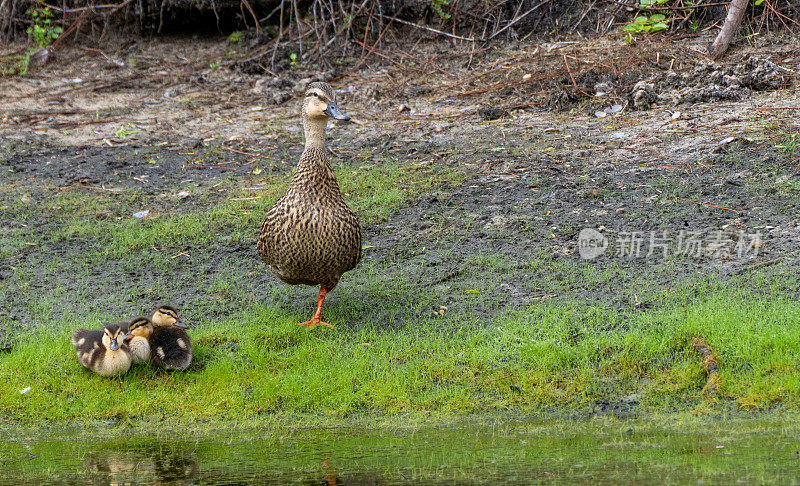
(310, 236)
(105, 352)
(170, 346)
(138, 339)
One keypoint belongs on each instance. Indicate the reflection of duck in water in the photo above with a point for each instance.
(331, 477)
(176, 466)
(156, 464)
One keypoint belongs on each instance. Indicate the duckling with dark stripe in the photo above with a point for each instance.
(170, 346)
(138, 339)
(105, 352)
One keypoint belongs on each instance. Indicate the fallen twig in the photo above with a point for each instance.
(532, 79)
(710, 365)
(53, 216)
(210, 166)
(569, 71)
(707, 205)
(470, 39)
(762, 264)
(496, 379)
(240, 152)
(84, 9)
(517, 19)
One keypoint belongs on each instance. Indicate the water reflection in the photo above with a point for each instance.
(176, 463)
(518, 454)
(156, 463)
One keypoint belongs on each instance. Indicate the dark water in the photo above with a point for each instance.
(566, 452)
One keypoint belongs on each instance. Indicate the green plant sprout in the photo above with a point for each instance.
(654, 23)
(42, 31)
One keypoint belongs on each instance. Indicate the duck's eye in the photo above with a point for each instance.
(315, 95)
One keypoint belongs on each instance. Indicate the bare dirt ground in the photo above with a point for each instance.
(691, 146)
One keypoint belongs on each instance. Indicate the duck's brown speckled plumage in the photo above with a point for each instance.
(310, 236)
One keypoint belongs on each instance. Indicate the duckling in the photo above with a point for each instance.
(104, 352)
(310, 236)
(139, 332)
(170, 346)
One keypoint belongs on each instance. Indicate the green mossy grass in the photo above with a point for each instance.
(257, 364)
(598, 338)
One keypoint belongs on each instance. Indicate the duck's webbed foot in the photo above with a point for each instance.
(315, 321)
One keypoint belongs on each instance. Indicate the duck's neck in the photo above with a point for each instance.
(314, 173)
(315, 133)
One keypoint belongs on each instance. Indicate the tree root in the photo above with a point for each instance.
(732, 23)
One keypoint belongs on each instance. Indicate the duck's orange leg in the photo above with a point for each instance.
(315, 321)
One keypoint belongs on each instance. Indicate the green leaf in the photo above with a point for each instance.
(658, 26)
(641, 20)
(657, 17)
(759, 2)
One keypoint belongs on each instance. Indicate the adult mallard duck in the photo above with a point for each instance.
(310, 236)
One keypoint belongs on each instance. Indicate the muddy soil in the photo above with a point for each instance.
(524, 122)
